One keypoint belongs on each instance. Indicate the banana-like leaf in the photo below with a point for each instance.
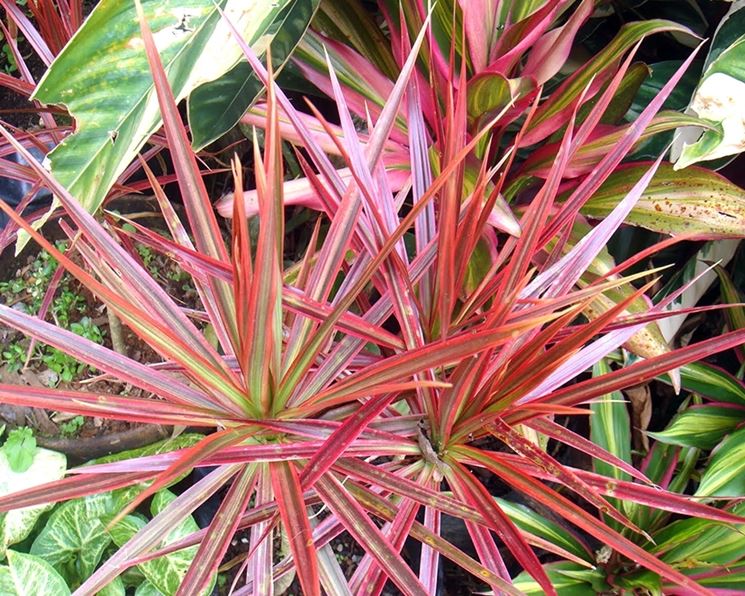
(27, 574)
(695, 201)
(16, 525)
(718, 97)
(103, 78)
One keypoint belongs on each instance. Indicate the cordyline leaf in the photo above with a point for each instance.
(636, 373)
(651, 496)
(695, 200)
(107, 360)
(592, 151)
(132, 409)
(293, 512)
(217, 540)
(382, 508)
(552, 114)
(163, 318)
(72, 488)
(106, 54)
(364, 531)
(469, 489)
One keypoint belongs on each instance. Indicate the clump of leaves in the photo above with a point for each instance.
(367, 379)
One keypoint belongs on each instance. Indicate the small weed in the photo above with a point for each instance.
(72, 427)
(14, 355)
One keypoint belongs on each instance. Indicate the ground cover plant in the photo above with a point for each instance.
(416, 357)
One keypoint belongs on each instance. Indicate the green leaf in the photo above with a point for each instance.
(718, 97)
(702, 426)
(699, 542)
(725, 475)
(529, 521)
(27, 575)
(215, 107)
(164, 573)
(74, 538)
(47, 466)
(103, 78)
(115, 588)
(713, 382)
(20, 448)
(569, 579)
(695, 200)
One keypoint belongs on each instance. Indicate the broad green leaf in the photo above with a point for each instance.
(725, 474)
(702, 426)
(27, 575)
(164, 573)
(693, 201)
(74, 538)
(16, 525)
(718, 97)
(529, 521)
(569, 579)
(215, 107)
(103, 78)
(610, 427)
(20, 448)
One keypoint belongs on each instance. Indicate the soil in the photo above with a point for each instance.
(93, 437)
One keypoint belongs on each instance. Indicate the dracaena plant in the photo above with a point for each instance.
(375, 380)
